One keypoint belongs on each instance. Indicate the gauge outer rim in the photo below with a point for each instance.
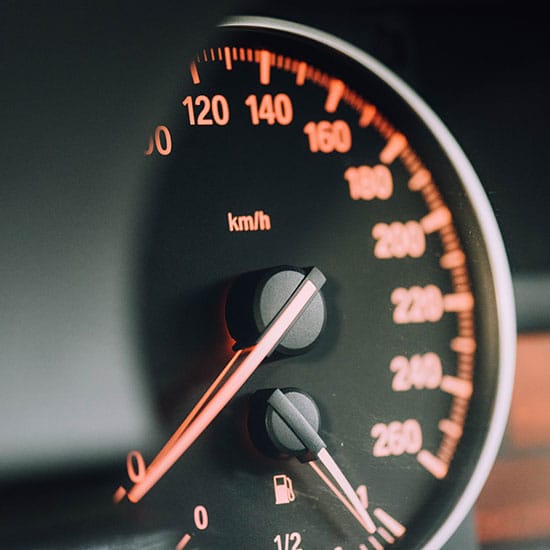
(496, 252)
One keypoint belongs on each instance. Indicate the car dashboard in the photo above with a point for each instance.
(88, 222)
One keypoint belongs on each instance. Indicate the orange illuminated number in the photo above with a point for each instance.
(273, 110)
(326, 137)
(397, 438)
(200, 515)
(368, 183)
(211, 111)
(419, 372)
(398, 240)
(135, 466)
(161, 141)
(417, 304)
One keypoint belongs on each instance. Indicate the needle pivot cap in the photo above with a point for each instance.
(255, 298)
(285, 423)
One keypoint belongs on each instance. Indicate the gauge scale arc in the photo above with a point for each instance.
(326, 306)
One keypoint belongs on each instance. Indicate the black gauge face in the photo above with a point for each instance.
(293, 162)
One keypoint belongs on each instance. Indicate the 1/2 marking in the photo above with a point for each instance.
(290, 541)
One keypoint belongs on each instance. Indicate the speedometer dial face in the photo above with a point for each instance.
(326, 306)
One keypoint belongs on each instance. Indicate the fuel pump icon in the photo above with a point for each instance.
(284, 492)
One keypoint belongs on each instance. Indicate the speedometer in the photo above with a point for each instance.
(327, 306)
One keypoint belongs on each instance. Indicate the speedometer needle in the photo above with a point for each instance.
(313, 442)
(213, 401)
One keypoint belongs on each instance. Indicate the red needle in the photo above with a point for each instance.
(269, 340)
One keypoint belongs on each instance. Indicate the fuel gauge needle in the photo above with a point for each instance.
(216, 398)
(313, 442)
